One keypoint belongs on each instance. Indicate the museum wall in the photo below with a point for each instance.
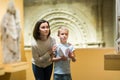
(78, 17)
(89, 65)
(90, 22)
(109, 24)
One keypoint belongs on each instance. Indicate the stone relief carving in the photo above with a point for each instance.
(10, 34)
(77, 24)
(85, 27)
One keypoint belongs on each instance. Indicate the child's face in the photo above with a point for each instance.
(44, 29)
(63, 35)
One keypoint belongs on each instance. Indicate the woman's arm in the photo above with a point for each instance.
(38, 57)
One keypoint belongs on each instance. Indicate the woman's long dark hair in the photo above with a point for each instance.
(36, 31)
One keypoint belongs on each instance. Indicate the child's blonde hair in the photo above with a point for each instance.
(62, 28)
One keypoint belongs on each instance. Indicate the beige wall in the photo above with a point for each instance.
(89, 65)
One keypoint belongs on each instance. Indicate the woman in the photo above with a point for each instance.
(42, 50)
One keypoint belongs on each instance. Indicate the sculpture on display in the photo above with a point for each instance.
(10, 34)
(117, 42)
(118, 38)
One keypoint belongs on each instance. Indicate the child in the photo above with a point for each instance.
(64, 52)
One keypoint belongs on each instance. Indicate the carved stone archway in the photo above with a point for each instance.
(80, 28)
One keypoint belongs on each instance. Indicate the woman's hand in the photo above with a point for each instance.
(54, 48)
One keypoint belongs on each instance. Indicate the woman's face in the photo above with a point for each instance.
(44, 29)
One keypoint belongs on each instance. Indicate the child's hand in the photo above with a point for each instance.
(64, 58)
(73, 59)
(72, 56)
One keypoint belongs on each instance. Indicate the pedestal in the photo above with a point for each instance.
(14, 67)
(2, 72)
(112, 62)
